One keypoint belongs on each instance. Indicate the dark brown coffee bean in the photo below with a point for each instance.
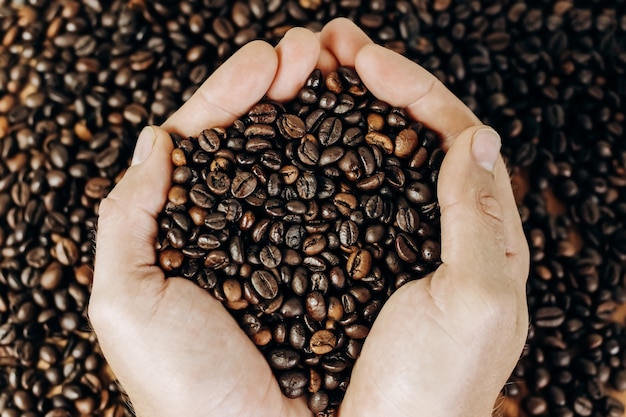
(291, 126)
(265, 284)
(284, 359)
(215, 221)
(308, 151)
(348, 233)
(218, 182)
(314, 244)
(407, 219)
(270, 256)
(316, 306)
(583, 406)
(418, 193)
(318, 401)
(331, 155)
(264, 113)
(535, 405)
(306, 185)
(243, 185)
(323, 342)
(330, 131)
(201, 196)
(292, 380)
(549, 317)
(406, 248)
(431, 251)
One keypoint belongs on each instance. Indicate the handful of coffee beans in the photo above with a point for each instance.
(303, 218)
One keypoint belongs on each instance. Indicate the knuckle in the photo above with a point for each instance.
(490, 207)
(490, 215)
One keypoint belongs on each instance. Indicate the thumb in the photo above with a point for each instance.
(127, 224)
(472, 230)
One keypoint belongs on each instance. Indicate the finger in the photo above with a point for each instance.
(326, 60)
(343, 39)
(127, 225)
(403, 83)
(232, 89)
(476, 221)
(298, 54)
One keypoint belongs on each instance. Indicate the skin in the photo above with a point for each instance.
(455, 335)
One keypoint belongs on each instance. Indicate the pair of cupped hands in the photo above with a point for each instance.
(441, 346)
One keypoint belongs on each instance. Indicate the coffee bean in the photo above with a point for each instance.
(263, 113)
(218, 182)
(316, 306)
(243, 185)
(359, 264)
(284, 359)
(291, 126)
(583, 406)
(264, 284)
(549, 317)
(292, 380)
(318, 401)
(406, 248)
(330, 131)
(270, 256)
(322, 342)
(407, 219)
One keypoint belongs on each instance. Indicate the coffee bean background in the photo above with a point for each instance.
(79, 79)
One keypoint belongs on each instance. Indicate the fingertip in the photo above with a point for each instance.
(326, 61)
(383, 70)
(229, 92)
(403, 83)
(344, 39)
(486, 145)
(145, 184)
(260, 50)
(297, 54)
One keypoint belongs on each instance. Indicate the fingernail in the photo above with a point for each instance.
(486, 148)
(144, 145)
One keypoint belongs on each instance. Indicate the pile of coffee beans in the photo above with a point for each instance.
(79, 79)
(303, 218)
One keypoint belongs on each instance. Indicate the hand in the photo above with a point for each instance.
(177, 351)
(444, 345)
(174, 348)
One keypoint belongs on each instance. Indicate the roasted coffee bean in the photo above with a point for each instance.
(407, 219)
(406, 248)
(418, 193)
(291, 126)
(549, 317)
(243, 185)
(316, 306)
(330, 131)
(359, 264)
(284, 359)
(322, 342)
(270, 256)
(265, 113)
(201, 196)
(265, 284)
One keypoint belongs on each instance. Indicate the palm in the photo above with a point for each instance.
(428, 313)
(188, 320)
